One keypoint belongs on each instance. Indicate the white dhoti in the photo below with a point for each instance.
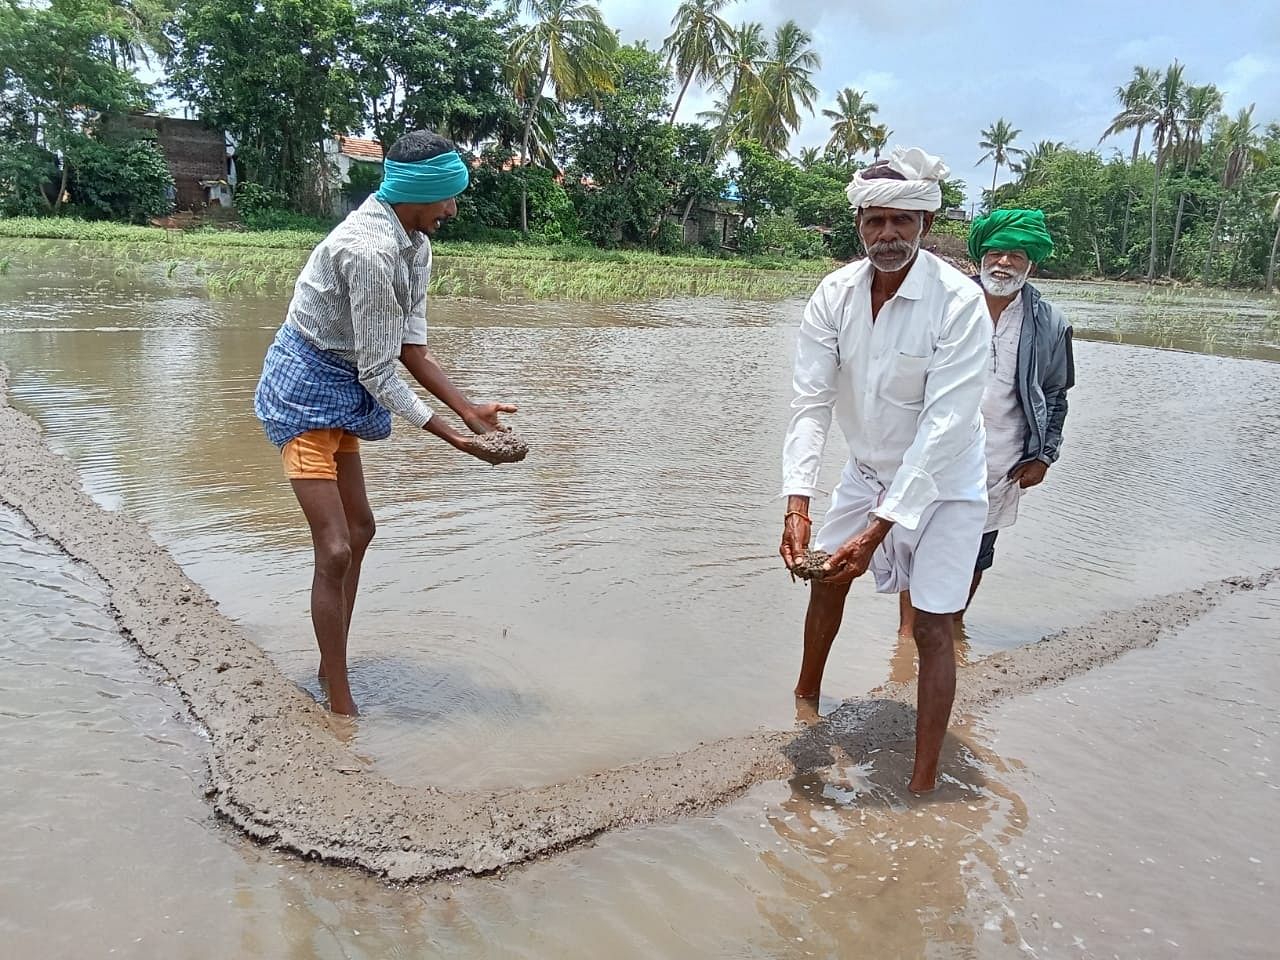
(934, 561)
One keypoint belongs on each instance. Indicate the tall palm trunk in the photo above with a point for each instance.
(524, 147)
(680, 99)
(1271, 263)
(1155, 209)
(994, 173)
(1128, 207)
(1213, 239)
(1177, 223)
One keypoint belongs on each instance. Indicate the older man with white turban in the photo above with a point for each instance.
(897, 344)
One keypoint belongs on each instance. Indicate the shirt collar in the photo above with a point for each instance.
(404, 240)
(913, 283)
(912, 287)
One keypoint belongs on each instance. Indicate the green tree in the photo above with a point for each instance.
(273, 74)
(1242, 148)
(785, 87)
(1272, 201)
(852, 131)
(1032, 165)
(119, 177)
(433, 64)
(622, 176)
(699, 41)
(764, 182)
(698, 179)
(997, 140)
(58, 81)
(567, 45)
(1201, 103)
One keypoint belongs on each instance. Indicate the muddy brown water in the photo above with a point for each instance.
(520, 625)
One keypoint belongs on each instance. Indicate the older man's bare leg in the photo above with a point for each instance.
(935, 693)
(821, 624)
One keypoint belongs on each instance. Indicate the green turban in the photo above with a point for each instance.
(1010, 230)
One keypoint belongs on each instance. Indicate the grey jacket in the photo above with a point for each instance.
(1046, 371)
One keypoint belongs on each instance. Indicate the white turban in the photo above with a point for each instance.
(921, 190)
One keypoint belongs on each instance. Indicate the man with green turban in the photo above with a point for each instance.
(1031, 369)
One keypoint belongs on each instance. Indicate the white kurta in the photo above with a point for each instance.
(1005, 420)
(906, 389)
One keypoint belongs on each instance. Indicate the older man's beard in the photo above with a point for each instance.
(889, 256)
(1000, 282)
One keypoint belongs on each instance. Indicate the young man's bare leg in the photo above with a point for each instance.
(821, 624)
(360, 531)
(935, 693)
(322, 504)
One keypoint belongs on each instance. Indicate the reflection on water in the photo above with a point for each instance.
(616, 596)
(622, 583)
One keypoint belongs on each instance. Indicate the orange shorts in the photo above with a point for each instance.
(311, 456)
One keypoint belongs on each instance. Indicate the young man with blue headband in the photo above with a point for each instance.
(330, 377)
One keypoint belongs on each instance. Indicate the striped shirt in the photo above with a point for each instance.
(363, 295)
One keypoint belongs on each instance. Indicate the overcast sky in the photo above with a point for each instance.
(943, 71)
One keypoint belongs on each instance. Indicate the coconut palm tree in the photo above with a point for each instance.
(1201, 103)
(738, 81)
(1166, 131)
(997, 140)
(1031, 169)
(1137, 103)
(808, 157)
(568, 45)
(851, 126)
(133, 28)
(876, 140)
(784, 88)
(699, 42)
(1244, 153)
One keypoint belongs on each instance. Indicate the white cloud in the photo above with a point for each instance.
(1251, 78)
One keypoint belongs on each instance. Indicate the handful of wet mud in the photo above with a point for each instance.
(810, 565)
(504, 446)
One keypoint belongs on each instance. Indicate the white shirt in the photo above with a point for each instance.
(906, 387)
(1005, 420)
(362, 295)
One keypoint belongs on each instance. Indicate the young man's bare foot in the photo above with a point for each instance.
(343, 705)
(807, 711)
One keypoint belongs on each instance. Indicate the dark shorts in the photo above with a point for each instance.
(986, 551)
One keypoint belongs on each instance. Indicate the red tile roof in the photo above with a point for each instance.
(359, 149)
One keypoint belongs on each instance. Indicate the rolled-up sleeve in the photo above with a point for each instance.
(378, 323)
(415, 331)
(817, 368)
(954, 382)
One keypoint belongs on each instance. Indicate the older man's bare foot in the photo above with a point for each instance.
(920, 786)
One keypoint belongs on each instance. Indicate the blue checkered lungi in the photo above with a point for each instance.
(305, 388)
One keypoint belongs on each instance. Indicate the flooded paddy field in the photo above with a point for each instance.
(602, 603)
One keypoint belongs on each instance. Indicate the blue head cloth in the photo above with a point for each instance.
(424, 181)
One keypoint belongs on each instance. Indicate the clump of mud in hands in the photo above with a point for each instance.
(501, 446)
(810, 565)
